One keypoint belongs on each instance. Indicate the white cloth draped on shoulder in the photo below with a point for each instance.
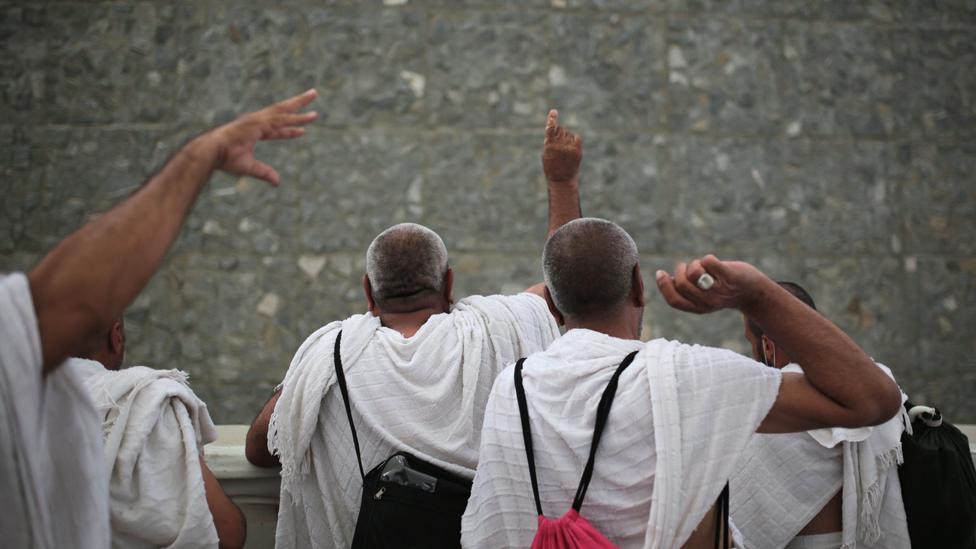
(154, 428)
(784, 480)
(424, 394)
(681, 416)
(51, 476)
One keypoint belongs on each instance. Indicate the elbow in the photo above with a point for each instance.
(889, 405)
(256, 450)
(885, 404)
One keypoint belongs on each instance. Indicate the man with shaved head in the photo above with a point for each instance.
(418, 368)
(673, 418)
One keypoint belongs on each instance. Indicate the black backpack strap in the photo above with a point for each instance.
(341, 377)
(526, 432)
(722, 519)
(602, 413)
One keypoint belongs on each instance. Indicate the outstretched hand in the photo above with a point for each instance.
(235, 140)
(562, 152)
(736, 285)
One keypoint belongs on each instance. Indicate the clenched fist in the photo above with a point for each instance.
(562, 152)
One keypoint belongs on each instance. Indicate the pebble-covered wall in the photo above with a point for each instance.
(831, 142)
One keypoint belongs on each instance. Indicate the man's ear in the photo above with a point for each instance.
(368, 291)
(637, 287)
(448, 289)
(768, 351)
(116, 338)
(560, 321)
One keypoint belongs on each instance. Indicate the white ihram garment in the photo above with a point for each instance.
(784, 480)
(155, 429)
(424, 394)
(681, 416)
(53, 483)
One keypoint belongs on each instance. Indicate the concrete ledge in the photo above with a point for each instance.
(256, 489)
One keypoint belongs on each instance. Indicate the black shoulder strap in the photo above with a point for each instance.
(722, 519)
(526, 432)
(341, 377)
(602, 413)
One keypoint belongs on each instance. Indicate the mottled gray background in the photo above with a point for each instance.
(831, 142)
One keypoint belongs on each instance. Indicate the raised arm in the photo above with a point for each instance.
(86, 282)
(842, 387)
(562, 153)
(256, 443)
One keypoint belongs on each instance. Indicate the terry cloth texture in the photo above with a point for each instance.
(155, 429)
(51, 475)
(681, 417)
(424, 394)
(784, 480)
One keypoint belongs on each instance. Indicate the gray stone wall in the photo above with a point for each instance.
(830, 142)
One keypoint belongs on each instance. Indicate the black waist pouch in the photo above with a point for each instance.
(410, 503)
(406, 503)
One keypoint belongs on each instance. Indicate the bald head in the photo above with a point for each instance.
(588, 266)
(405, 261)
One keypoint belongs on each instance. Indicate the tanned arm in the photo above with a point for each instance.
(562, 153)
(841, 386)
(228, 518)
(86, 282)
(256, 443)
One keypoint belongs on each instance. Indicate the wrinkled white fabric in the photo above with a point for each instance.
(784, 480)
(681, 416)
(51, 476)
(154, 428)
(424, 394)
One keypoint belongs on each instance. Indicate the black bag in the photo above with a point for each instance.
(938, 482)
(406, 502)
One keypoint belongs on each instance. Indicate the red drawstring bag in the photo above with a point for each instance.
(570, 531)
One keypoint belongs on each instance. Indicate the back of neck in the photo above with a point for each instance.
(617, 327)
(408, 323)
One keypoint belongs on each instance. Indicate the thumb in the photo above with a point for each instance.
(263, 171)
(716, 267)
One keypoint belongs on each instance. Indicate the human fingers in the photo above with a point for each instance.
(284, 133)
(716, 267)
(665, 285)
(696, 272)
(264, 172)
(300, 119)
(297, 102)
(552, 120)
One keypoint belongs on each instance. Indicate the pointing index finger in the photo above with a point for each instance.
(299, 101)
(552, 122)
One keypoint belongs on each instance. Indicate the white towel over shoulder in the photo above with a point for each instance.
(680, 418)
(424, 394)
(784, 480)
(154, 428)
